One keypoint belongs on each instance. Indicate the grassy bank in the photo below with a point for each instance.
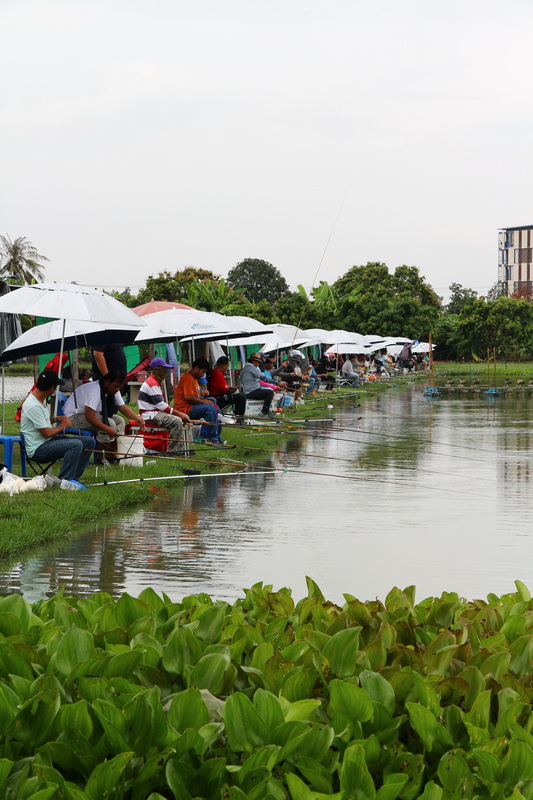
(150, 698)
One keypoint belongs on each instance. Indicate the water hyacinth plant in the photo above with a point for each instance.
(266, 699)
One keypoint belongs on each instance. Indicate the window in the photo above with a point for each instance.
(509, 238)
(517, 256)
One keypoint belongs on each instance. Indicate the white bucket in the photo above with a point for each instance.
(130, 450)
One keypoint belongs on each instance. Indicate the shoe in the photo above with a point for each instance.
(75, 486)
(213, 443)
(270, 415)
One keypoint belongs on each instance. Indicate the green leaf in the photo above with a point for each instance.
(451, 770)
(341, 652)
(244, 727)
(521, 652)
(105, 777)
(517, 764)
(182, 650)
(35, 718)
(210, 623)
(209, 672)
(432, 791)
(76, 716)
(75, 646)
(301, 709)
(187, 710)
(522, 590)
(269, 709)
(356, 780)
(351, 701)
(392, 786)
(378, 689)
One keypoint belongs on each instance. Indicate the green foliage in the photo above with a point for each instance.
(258, 280)
(505, 323)
(373, 300)
(20, 260)
(148, 698)
(458, 297)
(172, 287)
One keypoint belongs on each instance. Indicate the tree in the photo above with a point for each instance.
(20, 260)
(217, 296)
(258, 280)
(458, 298)
(173, 286)
(505, 323)
(371, 300)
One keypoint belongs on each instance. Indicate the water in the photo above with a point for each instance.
(16, 388)
(432, 492)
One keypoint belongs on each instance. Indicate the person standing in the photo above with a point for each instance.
(108, 358)
(43, 442)
(154, 409)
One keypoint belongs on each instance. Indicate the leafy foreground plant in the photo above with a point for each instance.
(264, 699)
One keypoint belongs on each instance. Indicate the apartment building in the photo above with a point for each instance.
(515, 260)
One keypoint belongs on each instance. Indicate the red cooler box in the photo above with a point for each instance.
(154, 438)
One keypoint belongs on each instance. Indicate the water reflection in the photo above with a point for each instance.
(434, 493)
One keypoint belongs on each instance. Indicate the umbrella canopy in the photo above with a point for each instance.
(164, 326)
(342, 337)
(251, 330)
(274, 343)
(349, 348)
(47, 338)
(157, 305)
(423, 347)
(68, 301)
(9, 325)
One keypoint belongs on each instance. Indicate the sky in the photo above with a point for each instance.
(139, 136)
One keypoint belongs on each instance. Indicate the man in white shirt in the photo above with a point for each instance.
(349, 371)
(44, 442)
(89, 410)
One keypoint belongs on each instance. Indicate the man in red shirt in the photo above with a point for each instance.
(222, 392)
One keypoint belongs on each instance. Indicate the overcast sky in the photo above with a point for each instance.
(142, 135)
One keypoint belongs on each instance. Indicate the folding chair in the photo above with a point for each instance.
(36, 466)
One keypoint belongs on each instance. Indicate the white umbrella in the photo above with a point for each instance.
(423, 347)
(69, 301)
(342, 337)
(350, 347)
(47, 338)
(275, 343)
(180, 323)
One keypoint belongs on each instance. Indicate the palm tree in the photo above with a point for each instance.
(20, 260)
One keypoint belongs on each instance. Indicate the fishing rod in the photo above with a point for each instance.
(181, 477)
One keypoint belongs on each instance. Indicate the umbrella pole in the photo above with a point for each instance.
(56, 398)
(3, 408)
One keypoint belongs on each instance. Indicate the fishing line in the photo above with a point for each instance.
(321, 260)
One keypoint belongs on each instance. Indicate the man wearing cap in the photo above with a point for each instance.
(43, 442)
(154, 410)
(253, 385)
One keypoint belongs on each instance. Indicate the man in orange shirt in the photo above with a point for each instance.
(187, 400)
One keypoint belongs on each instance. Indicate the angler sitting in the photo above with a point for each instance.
(187, 400)
(93, 405)
(224, 394)
(253, 385)
(156, 411)
(350, 372)
(45, 443)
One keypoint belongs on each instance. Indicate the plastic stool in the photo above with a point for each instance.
(9, 443)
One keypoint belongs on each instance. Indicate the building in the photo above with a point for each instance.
(515, 261)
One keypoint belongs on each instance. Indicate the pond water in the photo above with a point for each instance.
(432, 492)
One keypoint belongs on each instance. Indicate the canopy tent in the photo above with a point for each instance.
(158, 305)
